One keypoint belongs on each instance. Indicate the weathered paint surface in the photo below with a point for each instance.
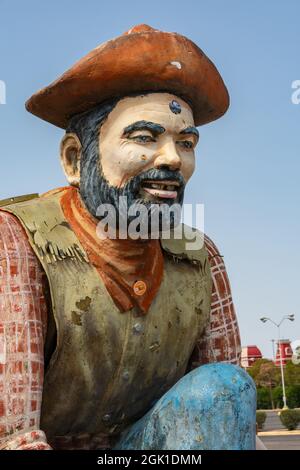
(23, 317)
(23, 321)
(211, 408)
(169, 62)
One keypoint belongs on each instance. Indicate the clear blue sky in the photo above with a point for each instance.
(248, 162)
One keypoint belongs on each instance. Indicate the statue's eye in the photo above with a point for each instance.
(186, 144)
(143, 139)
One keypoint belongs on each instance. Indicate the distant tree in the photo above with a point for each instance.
(266, 375)
(277, 396)
(263, 399)
(292, 374)
(255, 368)
(293, 396)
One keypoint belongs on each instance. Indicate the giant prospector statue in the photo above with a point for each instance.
(121, 342)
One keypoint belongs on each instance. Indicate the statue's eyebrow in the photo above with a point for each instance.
(190, 130)
(153, 127)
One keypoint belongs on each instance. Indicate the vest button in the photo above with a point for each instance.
(139, 288)
(125, 375)
(106, 418)
(137, 328)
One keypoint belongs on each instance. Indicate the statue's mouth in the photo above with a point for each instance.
(161, 189)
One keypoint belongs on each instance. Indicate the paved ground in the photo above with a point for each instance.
(290, 442)
(272, 421)
(276, 437)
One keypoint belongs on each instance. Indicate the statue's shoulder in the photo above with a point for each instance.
(17, 199)
(186, 243)
(44, 222)
(27, 199)
(13, 239)
(37, 213)
(34, 208)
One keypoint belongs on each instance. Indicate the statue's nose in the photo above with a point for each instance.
(168, 157)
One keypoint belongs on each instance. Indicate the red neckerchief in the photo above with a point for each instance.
(131, 270)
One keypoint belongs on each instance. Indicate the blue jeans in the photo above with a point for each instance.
(211, 408)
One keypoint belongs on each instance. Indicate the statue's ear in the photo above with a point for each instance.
(70, 155)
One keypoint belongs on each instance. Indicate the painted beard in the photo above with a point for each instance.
(155, 189)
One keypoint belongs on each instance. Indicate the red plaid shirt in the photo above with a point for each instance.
(23, 322)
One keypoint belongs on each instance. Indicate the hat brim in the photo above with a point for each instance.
(132, 63)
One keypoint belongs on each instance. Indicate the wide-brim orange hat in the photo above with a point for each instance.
(143, 59)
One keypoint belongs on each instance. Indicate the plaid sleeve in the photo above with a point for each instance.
(221, 339)
(23, 320)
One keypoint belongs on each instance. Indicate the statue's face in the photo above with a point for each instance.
(154, 131)
(144, 152)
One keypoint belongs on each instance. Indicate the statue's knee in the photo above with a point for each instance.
(219, 382)
(212, 407)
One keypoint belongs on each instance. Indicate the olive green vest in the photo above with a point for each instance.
(108, 367)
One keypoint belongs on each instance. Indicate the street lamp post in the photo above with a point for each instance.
(273, 348)
(286, 317)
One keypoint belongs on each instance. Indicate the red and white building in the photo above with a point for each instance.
(250, 354)
(283, 347)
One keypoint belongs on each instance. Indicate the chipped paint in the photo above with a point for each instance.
(176, 64)
(84, 304)
(223, 322)
(76, 318)
(191, 414)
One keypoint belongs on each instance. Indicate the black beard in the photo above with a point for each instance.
(95, 191)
